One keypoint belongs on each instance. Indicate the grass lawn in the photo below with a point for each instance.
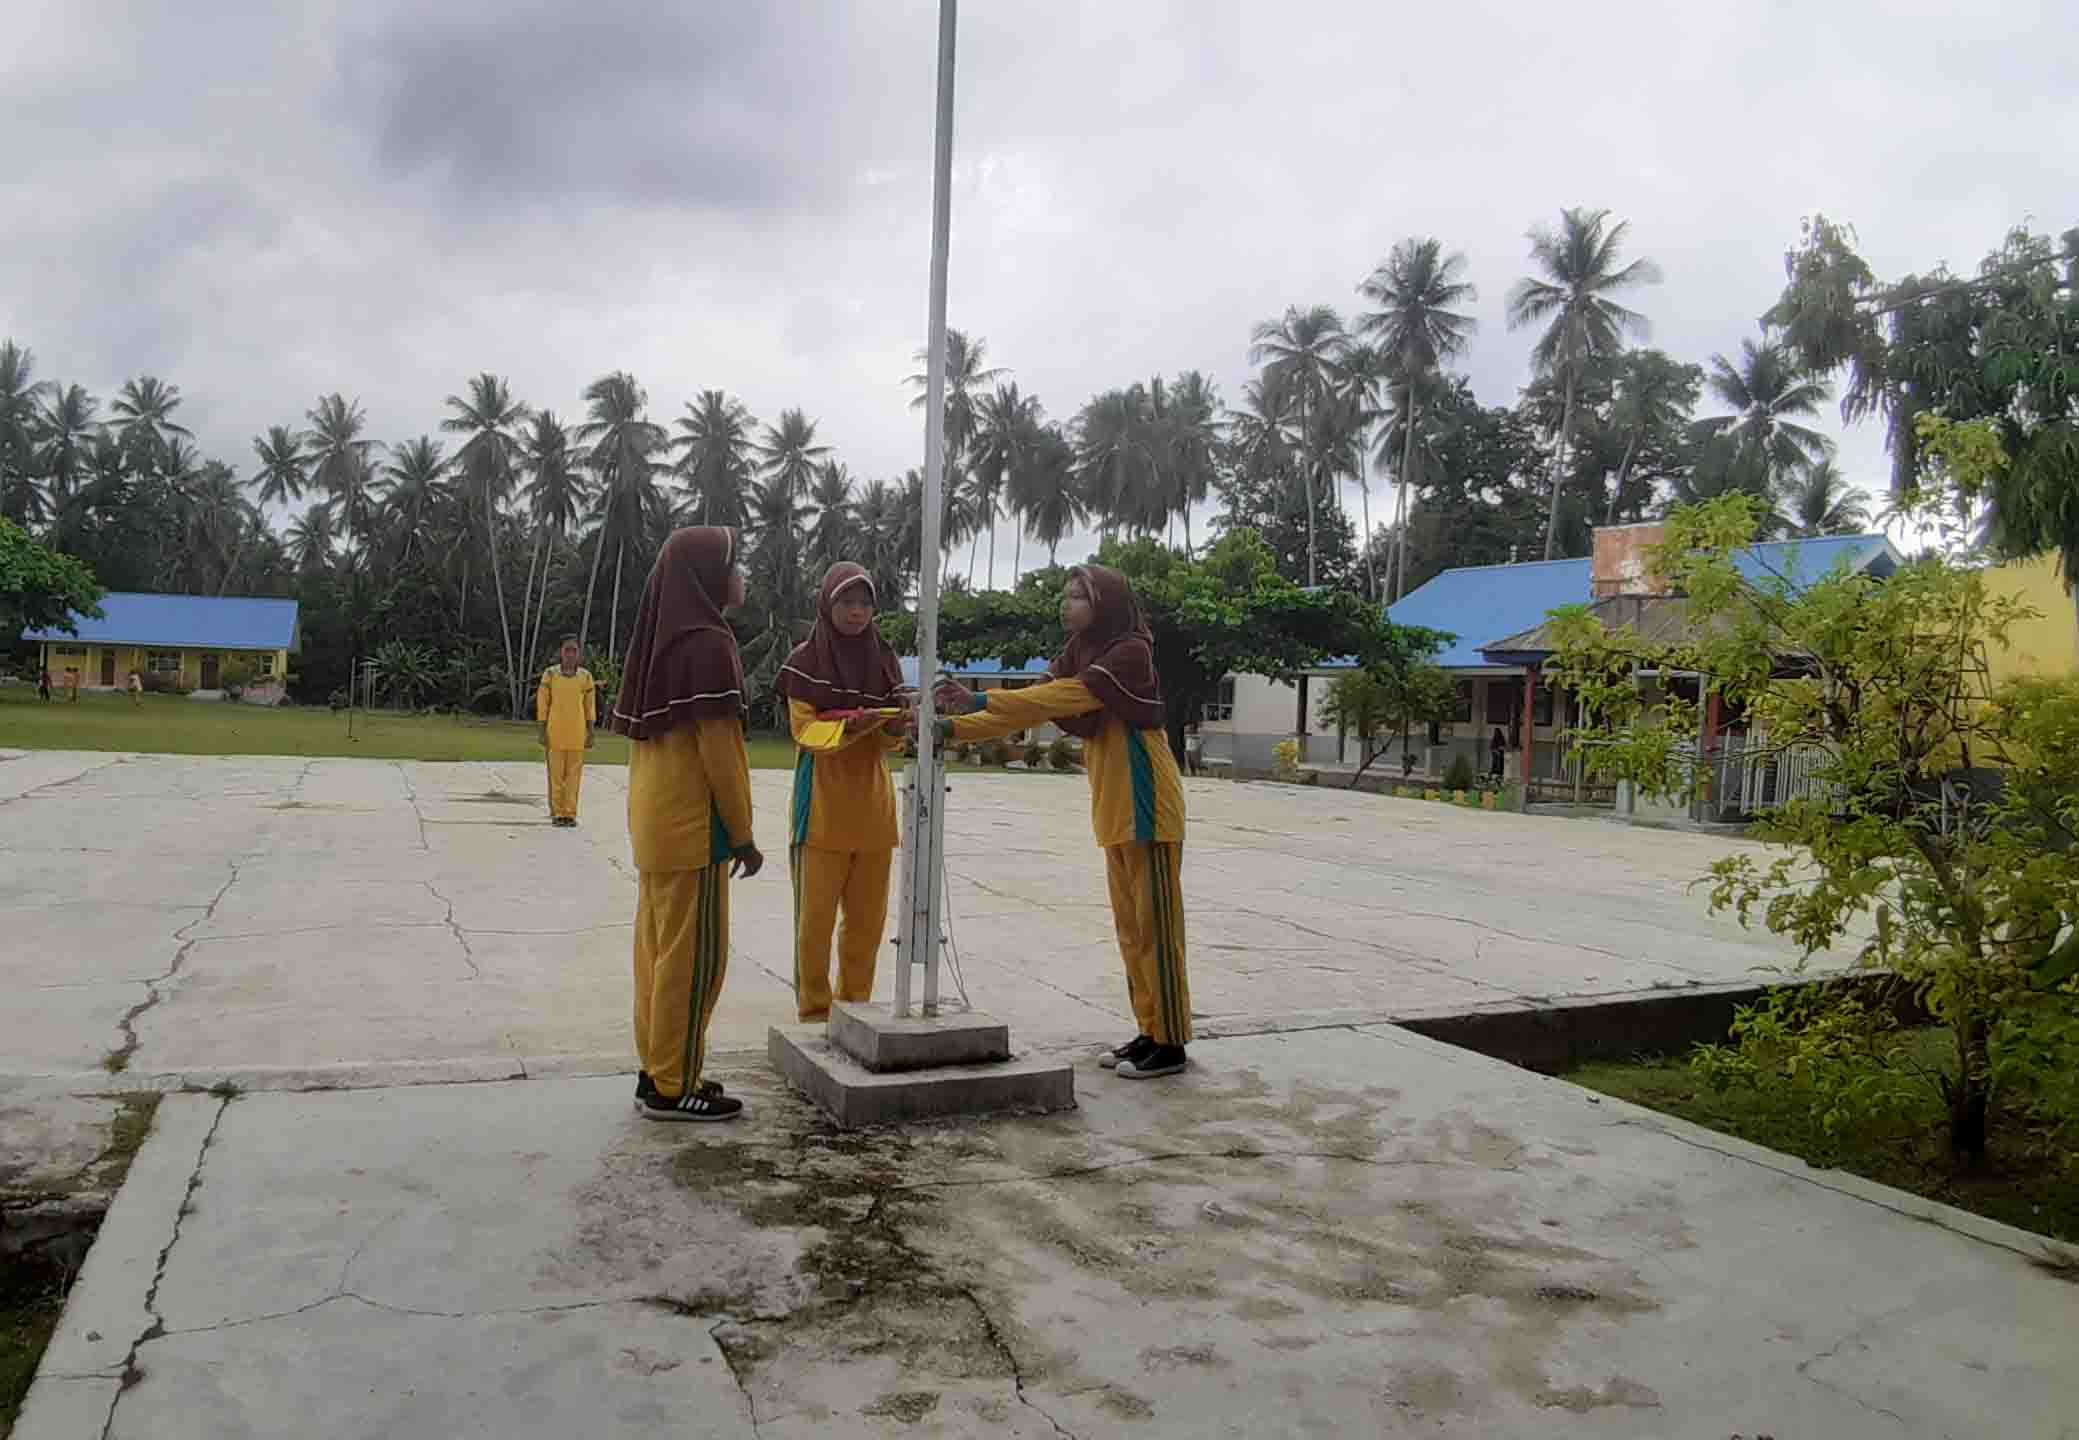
(170, 725)
(2024, 1181)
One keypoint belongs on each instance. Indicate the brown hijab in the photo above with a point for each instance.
(1115, 656)
(682, 658)
(834, 671)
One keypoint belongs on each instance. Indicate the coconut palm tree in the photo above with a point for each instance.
(409, 489)
(966, 377)
(488, 460)
(1007, 423)
(284, 466)
(1307, 345)
(1192, 444)
(1765, 390)
(622, 450)
(715, 461)
(880, 522)
(22, 495)
(832, 537)
(556, 495)
(1653, 401)
(1054, 500)
(310, 538)
(143, 411)
(1579, 272)
(789, 452)
(1820, 501)
(1116, 460)
(341, 466)
(68, 433)
(1417, 328)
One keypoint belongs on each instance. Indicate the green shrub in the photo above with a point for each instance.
(1835, 1067)
(1035, 755)
(1061, 755)
(996, 754)
(1460, 774)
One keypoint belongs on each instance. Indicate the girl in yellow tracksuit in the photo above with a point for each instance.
(566, 706)
(841, 831)
(689, 813)
(1103, 688)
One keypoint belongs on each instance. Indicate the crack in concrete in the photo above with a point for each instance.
(1010, 1359)
(476, 971)
(411, 797)
(386, 1307)
(130, 1373)
(36, 790)
(1865, 1328)
(119, 1058)
(729, 1358)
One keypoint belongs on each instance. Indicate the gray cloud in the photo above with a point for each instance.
(267, 203)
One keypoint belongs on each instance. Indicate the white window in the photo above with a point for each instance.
(69, 652)
(263, 664)
(1221, 707)
(162, 662)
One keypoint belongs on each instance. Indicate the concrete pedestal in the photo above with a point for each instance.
(868, 1068)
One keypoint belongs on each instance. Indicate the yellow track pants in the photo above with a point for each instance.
(1148, 912)
(827, 883)
(681, 955)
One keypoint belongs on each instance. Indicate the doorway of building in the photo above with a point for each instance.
(209, 672)
(108, 668)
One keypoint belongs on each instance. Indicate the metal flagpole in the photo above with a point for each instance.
(922, 834)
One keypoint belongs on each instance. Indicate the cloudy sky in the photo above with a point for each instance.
(384, 198)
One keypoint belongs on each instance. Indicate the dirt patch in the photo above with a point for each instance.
(44, 1239)
(908, 1406)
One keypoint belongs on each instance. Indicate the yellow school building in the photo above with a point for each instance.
(186, 642)
(2046, 647)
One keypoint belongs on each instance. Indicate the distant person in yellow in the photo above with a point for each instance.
(566, 706)
(1102, 687)
(689, 813)
(841, 831)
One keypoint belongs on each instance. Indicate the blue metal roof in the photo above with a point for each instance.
(1801, 562)
(1484, 603)
(203, 622)
(1478, 603)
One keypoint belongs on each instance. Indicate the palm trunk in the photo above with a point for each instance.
(1566, 437)
(1364, 492)
(992, 542)
(527, 636)
(505, 628)
(1631, 448)
(591, 589)
(1306, 461)
(1407, 480)
(974, 548)
(1017, 551)
(613, 618)
(1187, 530)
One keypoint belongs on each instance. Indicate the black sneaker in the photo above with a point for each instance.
(1155, 1060)
(645, 1087)
(1128, 1051)
(700, 1104)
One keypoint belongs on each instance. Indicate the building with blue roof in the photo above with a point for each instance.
(183, 642)
(1480, 606)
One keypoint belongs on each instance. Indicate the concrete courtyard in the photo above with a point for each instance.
(432, 1212)
(280, 922)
